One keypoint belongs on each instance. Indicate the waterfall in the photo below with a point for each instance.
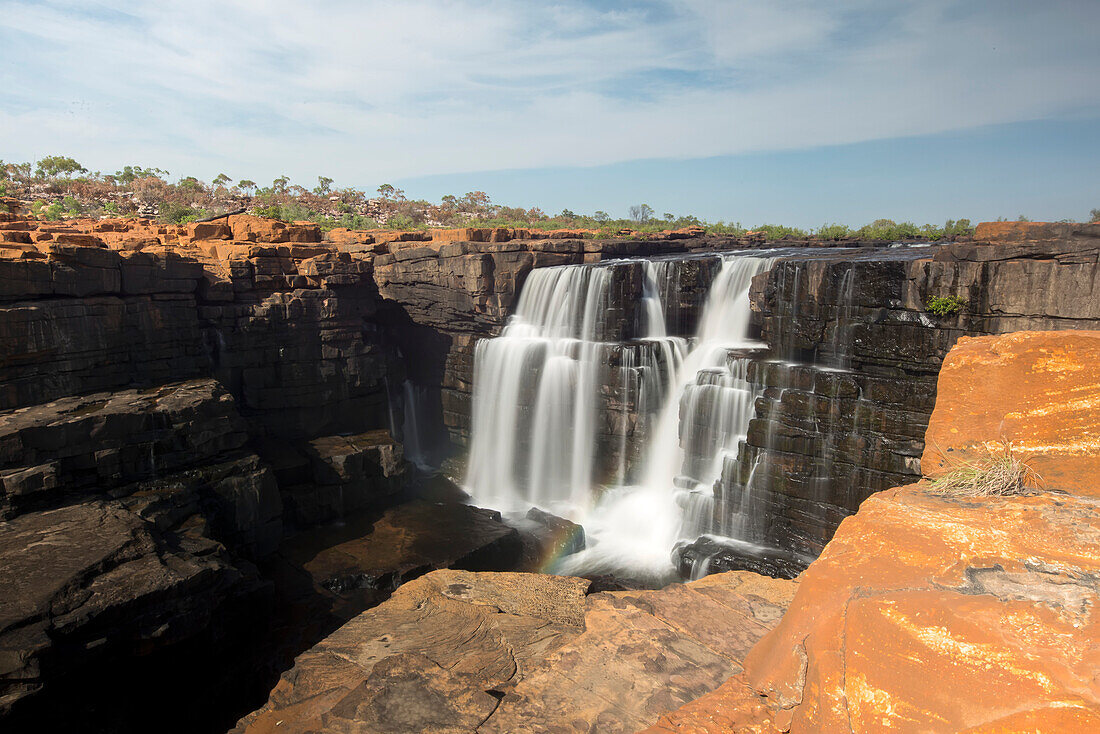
(534, 396)
(536, 391)
(421, 432)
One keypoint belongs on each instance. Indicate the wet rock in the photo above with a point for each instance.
(709, 554)
(547, 538)
(361, 560)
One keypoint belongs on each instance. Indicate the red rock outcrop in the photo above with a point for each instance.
(928, 612)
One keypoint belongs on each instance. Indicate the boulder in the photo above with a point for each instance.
(929, 613)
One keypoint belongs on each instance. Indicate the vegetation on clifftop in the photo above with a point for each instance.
(59, 186)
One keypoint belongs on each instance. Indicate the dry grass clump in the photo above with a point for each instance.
(1001, 474)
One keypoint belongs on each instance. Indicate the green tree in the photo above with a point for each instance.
(247, 185)
(190, 183)
(53, 166)
(324, 183)
(601, 217)
(1094, 215)
(129, 174)
(221, 180)
(279, 185)
(641, 213)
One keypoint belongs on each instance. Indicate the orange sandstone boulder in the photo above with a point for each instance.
(1038, 391)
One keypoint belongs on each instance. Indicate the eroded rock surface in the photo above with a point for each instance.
(455, 651)
(928, 613)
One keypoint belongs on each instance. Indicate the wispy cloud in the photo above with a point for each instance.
(367, 91)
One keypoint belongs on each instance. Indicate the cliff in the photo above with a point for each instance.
(177, 402)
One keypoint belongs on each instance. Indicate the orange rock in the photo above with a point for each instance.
(929, 613)
(217, 230)
(246, 228)
(1011, 231)
(1039, 391)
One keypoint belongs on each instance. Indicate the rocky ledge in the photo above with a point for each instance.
(456, 651)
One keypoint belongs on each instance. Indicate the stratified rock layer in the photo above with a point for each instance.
(455, 651)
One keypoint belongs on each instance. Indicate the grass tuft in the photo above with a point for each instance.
(1002, 474)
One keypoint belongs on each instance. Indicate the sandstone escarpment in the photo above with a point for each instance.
(196, 393)
(934, 612)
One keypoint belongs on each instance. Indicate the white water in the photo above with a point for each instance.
(536, 391)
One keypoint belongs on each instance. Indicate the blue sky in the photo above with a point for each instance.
(772, 110)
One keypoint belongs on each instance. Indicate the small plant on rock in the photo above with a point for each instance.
(945, 305)
(1000, 474)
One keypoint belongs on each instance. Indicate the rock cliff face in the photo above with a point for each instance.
(931, 612)
(173, 402)
(824, 440)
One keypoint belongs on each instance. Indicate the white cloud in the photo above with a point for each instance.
(367, 91)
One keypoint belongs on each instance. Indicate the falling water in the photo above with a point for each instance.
(423, 441)
(534, 397)
(535, 400)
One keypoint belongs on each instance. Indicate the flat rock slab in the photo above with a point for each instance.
(381, 552)
(455, 651)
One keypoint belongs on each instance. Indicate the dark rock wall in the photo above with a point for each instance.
(824, 440)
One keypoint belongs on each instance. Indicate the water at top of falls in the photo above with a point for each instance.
(535, 399)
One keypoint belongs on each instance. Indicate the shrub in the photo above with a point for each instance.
(53, 212)
(834, 232)
(175, 213)
(779, 231)
(945, 305)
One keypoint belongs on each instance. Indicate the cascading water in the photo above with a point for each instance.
(535, 397)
